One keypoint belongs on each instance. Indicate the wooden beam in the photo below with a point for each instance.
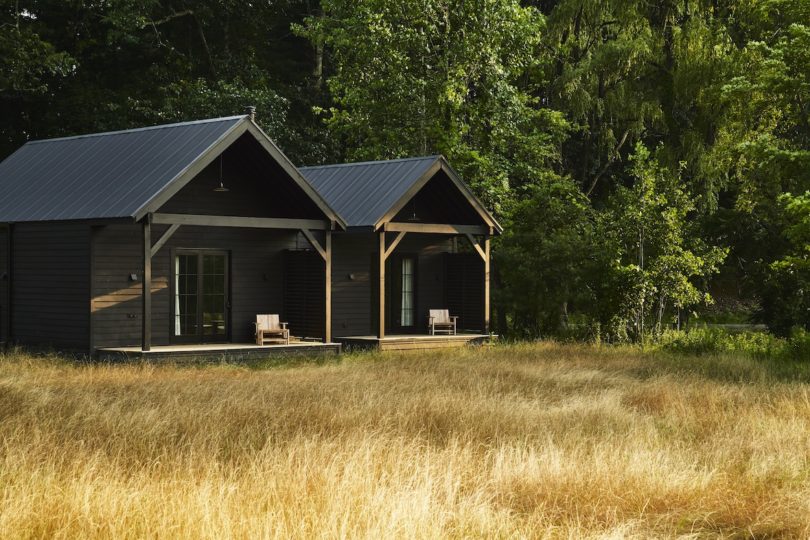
(381, 318)
(164, 238)
(327, 336)
(315, 243)
(235, 221)
(394, 244)
(435, 228)
(146, 282)
(486, 283)
(474, 244)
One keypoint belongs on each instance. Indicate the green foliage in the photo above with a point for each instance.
(715, 341)
(555, 219)
(547, 109)
(786, 302)
(418, 77)
(658, 258)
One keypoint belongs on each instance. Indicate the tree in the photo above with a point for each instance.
(786, 304)
(660, 259)
(419, 77)
(545, 258)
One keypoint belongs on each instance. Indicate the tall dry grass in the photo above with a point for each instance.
(514, 441)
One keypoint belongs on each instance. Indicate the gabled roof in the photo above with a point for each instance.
(367, 194)
(122, 174)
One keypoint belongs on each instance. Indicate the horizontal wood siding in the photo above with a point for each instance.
(304, 295)
(430, 250)
(352, 283)
(256, 270)
(354, 275)
(465, 289)
(4, 270)
(257, 187)
(50, 289)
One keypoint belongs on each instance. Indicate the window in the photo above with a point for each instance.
(406, 315)
(200, 295)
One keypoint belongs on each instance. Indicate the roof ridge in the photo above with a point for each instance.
(372, 162)
(136, 130)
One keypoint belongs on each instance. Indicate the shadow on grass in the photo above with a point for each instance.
(726, 367)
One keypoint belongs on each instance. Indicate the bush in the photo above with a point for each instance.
(699, 341)
(798, 346)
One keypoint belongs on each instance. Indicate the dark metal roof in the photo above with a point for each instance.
(362, 193)
(104, 175)
(365, 193)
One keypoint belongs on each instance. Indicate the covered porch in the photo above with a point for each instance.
(402, 314)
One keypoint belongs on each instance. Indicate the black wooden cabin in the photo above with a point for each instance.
(173, 238)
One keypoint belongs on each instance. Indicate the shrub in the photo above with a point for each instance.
(717, 341)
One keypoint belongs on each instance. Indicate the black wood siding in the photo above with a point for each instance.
(51, 281)
(256, 263)
(352, 284)
(304, 293)
(4, 277)
(257, 187)
(355, 281)
(464, 292)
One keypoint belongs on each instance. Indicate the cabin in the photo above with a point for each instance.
(416, 239)
(169, 241)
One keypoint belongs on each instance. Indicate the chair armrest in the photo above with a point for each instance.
(284, 325)
(454, 317)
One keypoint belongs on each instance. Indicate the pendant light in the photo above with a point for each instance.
(221, 187)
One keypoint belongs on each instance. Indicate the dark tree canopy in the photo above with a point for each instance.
(648, 159)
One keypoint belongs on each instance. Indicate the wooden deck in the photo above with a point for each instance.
(412, 342)
(218, 352)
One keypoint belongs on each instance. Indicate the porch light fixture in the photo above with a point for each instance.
(413, 216)
(221, 187)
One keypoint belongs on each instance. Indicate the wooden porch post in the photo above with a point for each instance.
(381, 321)
(146, 319)
(486, 284)
(327, 336)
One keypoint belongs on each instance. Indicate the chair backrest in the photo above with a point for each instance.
(440, 315)
(267, 322)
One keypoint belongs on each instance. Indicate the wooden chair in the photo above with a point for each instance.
(440, 321)
(269, 329)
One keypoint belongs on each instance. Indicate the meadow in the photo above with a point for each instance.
(512, 441)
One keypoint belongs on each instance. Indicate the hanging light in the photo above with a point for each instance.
(221, 187)
(413, 216)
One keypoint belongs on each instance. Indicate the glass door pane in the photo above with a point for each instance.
(407, 298)
(213, 298)
(186, 285)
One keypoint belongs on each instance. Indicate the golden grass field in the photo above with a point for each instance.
(525, 441)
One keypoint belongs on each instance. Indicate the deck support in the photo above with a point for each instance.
(385, 252)
(381, 317)
(484, 253)
(164, 238)
(146, 319)
(325, 251)
(327, 335)
(486, 283)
